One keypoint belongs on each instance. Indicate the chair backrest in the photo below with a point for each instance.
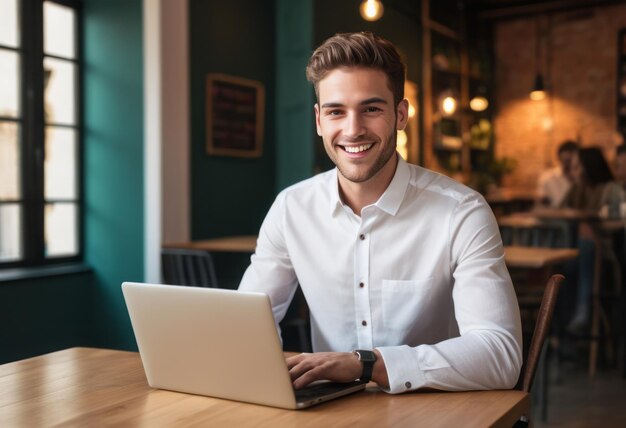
(188, 267)
(542, 327)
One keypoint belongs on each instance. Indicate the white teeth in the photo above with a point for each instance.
(357, 149)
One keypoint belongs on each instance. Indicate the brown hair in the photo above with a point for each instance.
(358, 50)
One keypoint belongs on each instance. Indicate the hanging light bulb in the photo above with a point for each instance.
(479, 103)
(539, 92)
(448, 105)
(371, 10)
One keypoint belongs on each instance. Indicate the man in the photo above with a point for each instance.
(555, 183)
(400, 263)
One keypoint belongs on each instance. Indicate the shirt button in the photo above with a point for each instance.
(408, 385)
(363, 323)
(361, 285)
(362, 237)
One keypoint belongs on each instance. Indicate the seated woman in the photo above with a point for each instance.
(591, 175)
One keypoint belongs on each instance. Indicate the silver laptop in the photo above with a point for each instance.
(218, 343)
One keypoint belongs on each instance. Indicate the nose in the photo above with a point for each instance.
(354, 127)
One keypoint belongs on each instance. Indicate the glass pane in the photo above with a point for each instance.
(60, 99)
(10, 227)
(8, 23)
(59, 27)
(9, 83)
(61, 229)
(60, 164)
(9, 161)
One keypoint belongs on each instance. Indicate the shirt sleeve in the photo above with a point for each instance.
(270, 270)
(488, 352)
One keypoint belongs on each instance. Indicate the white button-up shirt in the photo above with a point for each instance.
(420, 276)
(554, 186)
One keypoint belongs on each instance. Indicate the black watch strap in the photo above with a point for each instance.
(367, 359)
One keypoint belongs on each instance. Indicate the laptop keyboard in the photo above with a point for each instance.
(322, 389)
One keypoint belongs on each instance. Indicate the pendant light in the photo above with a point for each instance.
(538, 92)
(479, 101)
(371, 10)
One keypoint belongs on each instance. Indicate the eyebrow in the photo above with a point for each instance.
(373, 100)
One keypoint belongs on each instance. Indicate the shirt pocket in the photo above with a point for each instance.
(404, 303)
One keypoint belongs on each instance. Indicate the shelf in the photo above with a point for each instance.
(449, 68)
(447, 71)
(458, 73)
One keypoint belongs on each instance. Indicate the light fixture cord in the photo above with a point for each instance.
(538, 59)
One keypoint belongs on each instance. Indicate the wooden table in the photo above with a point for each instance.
(537, 257)
(566, 218)
(233, 244)
(569, 214)
(83, 387)
(506, 200)
(539, 261)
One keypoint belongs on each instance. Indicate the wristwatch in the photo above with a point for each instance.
(367, 358)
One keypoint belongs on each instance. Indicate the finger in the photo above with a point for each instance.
(316, 373)
(295, 359)
(302, 367)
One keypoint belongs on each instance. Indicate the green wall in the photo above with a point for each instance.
(230, 195)
(295, 122)
(44, 315)
(114, 197)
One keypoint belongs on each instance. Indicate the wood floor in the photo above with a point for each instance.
(575, 400)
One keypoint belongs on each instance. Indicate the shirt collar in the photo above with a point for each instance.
(389, 202)
(335, 199)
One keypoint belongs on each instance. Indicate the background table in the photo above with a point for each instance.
(83, 387)
(537, 257)
(235, 244)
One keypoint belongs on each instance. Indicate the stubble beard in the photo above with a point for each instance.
(382, 160)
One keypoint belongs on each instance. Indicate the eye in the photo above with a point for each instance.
(371, 109)
(334, 112)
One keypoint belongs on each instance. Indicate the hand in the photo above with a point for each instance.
(334, 366)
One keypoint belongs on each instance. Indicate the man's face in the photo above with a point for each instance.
(356, 118)
(576, 170)
(565, 159)
(620, 167)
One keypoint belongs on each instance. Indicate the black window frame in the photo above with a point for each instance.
(32, 134)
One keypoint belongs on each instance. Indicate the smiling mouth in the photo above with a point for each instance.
(357, 149)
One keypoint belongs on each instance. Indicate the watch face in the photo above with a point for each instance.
(366, 356)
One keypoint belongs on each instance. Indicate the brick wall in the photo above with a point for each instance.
(579, 57)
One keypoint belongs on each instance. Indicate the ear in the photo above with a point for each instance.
(402, 114)
(316, 107)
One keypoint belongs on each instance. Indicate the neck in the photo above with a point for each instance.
(358, 195)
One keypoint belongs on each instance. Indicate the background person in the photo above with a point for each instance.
(591, 174)
(555, 183)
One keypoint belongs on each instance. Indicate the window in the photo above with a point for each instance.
(40, 133)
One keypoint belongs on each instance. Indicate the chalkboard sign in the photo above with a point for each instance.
(235, 113)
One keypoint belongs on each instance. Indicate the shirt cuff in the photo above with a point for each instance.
(402, 368)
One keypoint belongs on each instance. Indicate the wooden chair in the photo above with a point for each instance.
(542, 327)
(188, 267)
